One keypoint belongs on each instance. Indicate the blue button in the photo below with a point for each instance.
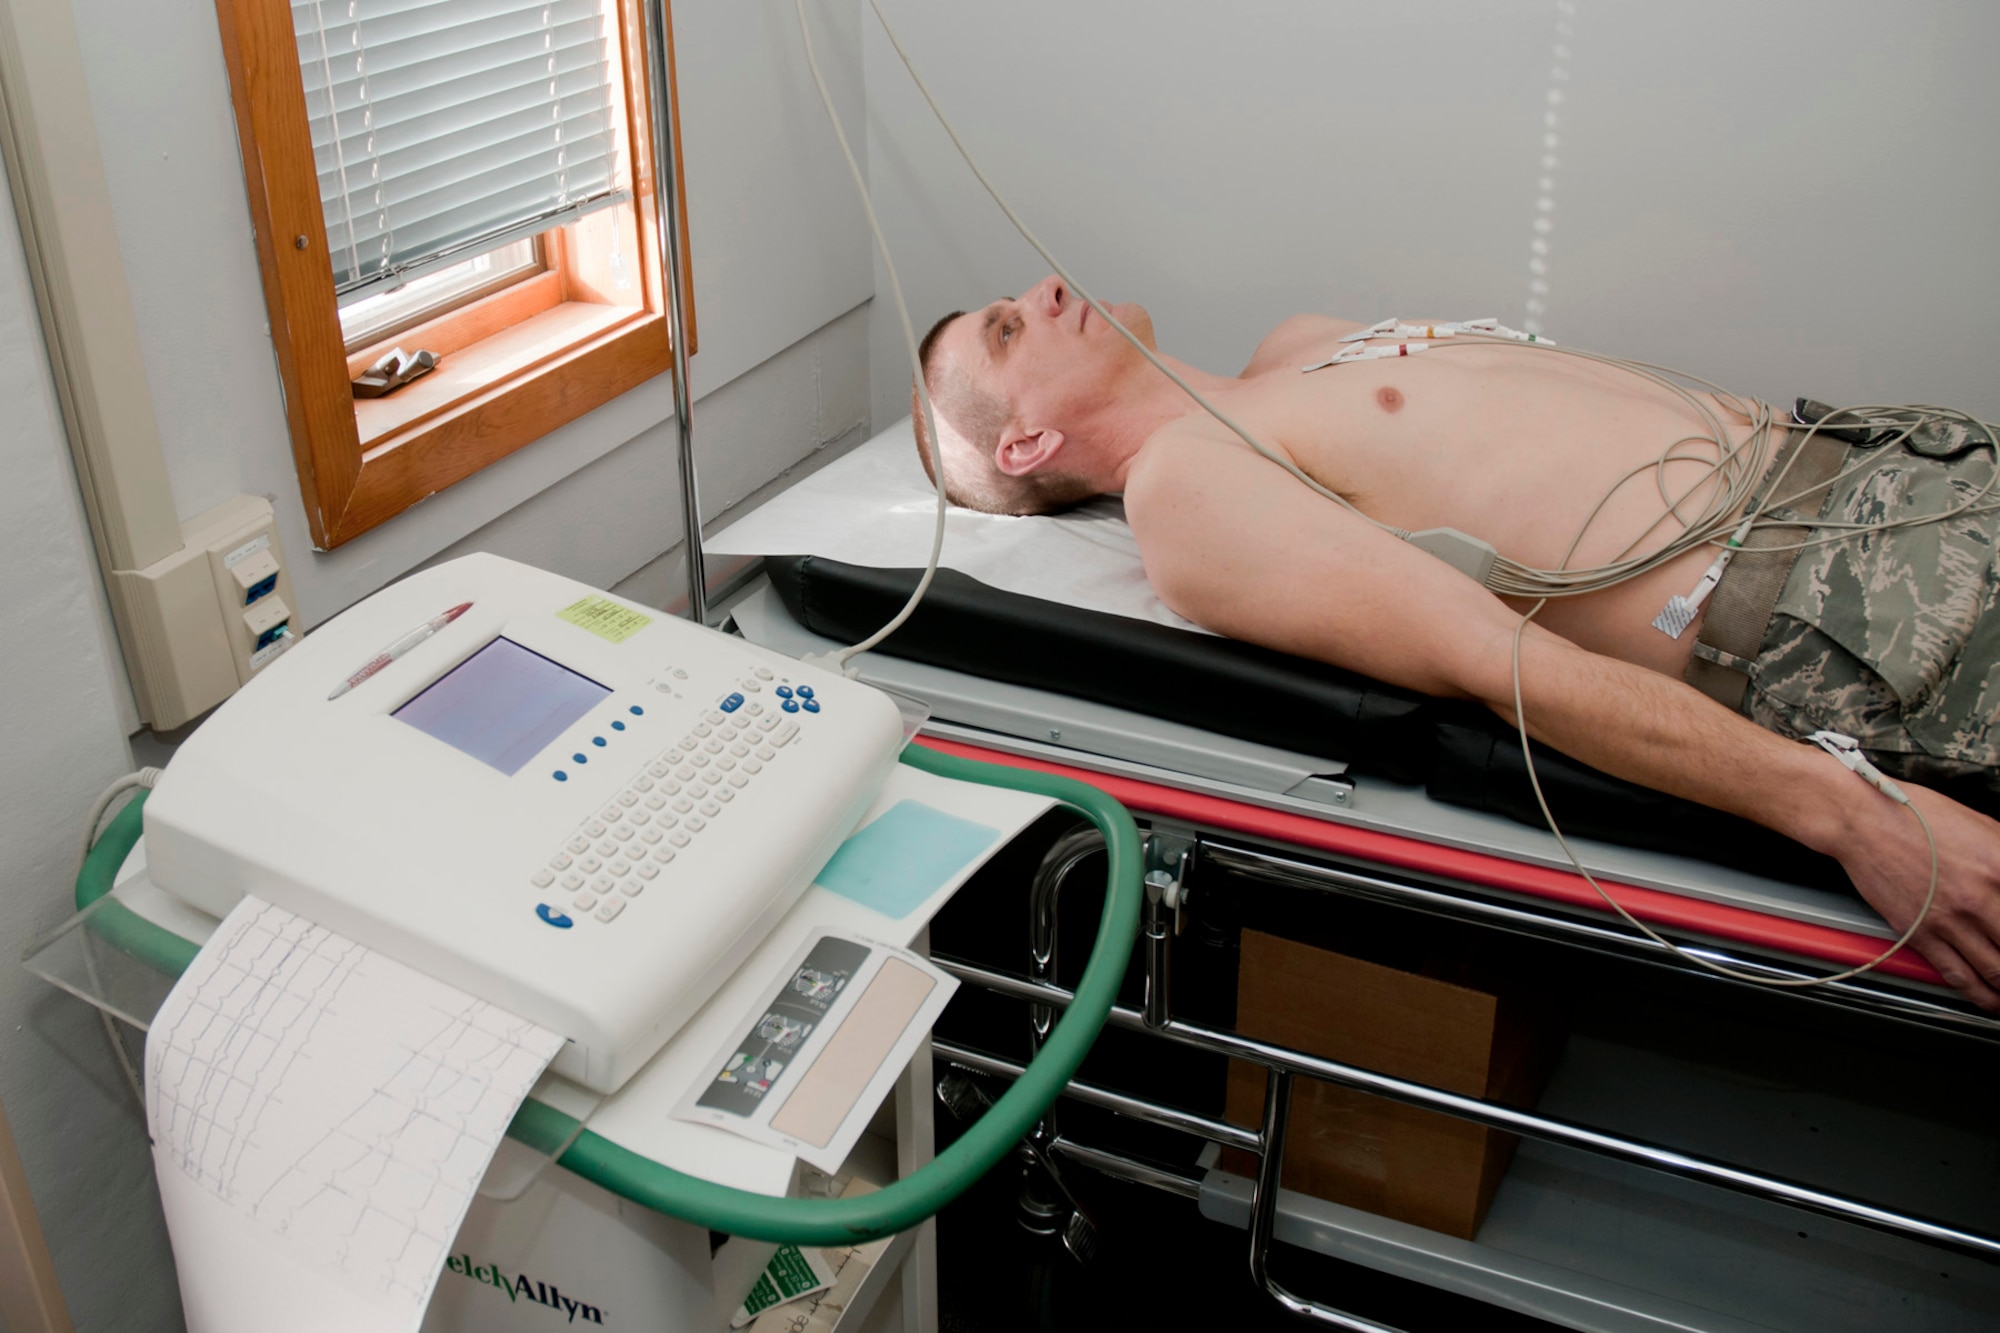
(783, 691)
(812, 705)
(790, 705)
(597, 740)
(805, 691)
(732, 703)
(581, 758)
(618, 726)
(637, 711)
(552, 916)
(561, 776)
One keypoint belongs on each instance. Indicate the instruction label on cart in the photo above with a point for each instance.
(819, 1055)
(605, 618)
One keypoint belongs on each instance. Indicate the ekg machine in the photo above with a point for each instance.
(584, 812)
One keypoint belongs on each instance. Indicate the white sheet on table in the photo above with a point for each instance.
(874, 508)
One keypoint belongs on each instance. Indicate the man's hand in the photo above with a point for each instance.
(1887, 857)
(1666, 735)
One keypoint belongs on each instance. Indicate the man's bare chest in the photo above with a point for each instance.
(1520, 441)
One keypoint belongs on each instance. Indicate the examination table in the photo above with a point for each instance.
(1706, 1154)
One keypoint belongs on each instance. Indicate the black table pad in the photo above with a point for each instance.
(1460, 753)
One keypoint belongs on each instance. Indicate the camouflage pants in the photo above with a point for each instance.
(1893, 637)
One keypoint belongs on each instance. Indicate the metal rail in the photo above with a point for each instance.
(1283, 1065)
(1135, 1108)
(1264, 1216)
(1878, 1000)
(1126, 1168)
(673, 254)
(1496, 1116)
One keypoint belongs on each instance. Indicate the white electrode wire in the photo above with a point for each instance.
(1735, 974)
(841, 658)
(1576, 862)
(1845, 531)
(148, 778)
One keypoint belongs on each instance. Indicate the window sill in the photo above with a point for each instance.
(564, 362)
(465, 380)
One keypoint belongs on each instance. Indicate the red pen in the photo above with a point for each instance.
(398, 648)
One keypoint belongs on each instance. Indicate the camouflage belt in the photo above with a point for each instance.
(1739, 610)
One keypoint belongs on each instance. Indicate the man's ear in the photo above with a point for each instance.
(1022, 453)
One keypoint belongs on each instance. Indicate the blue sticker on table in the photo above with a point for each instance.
(904, 857)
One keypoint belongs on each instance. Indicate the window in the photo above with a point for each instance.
(514, 237)
(383, 314)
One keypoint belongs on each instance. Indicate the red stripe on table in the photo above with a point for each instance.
(1718, 920)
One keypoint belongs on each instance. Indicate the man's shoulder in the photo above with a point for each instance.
(1172, 456)
(1195, 461)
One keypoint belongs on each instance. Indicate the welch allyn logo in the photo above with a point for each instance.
(522, 1287)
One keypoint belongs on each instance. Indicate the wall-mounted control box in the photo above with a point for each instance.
(211, 615)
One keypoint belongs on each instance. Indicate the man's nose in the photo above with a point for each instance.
(1046, 296)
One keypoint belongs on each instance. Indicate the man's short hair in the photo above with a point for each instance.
(970, 419)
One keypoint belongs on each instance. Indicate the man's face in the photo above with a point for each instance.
(1045, 353)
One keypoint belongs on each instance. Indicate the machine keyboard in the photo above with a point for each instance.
(616, 854)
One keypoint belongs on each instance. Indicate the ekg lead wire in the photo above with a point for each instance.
(1735, 974)
(838, 661)
(147, 778)
(1576, 862)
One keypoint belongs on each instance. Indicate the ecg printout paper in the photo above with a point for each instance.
(321, 1117)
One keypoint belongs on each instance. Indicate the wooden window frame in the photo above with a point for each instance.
(515, 364)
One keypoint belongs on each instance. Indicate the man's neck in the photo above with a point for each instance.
(1148, 401)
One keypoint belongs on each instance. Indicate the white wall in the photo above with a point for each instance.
(779, 247)
(1791, 197)
(82, 1140)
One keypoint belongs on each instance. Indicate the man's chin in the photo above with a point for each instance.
(1135, 318)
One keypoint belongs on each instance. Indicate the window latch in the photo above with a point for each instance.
(396, 368)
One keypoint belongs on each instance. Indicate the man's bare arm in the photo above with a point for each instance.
(1657, 731)
(1236, 545)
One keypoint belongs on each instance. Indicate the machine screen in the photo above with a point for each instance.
(502, 704)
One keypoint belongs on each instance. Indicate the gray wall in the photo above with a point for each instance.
(1794, 196)
(782, 279)
(81, 1138)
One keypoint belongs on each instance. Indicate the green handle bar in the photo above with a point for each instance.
(895, 1207)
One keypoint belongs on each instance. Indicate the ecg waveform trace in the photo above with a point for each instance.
(335, 1097)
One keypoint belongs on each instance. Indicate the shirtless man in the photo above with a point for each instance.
(1040, 404)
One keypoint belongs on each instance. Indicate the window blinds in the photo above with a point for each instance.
(442, 128)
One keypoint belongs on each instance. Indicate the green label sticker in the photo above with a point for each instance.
(792, 1273)
(605, 618)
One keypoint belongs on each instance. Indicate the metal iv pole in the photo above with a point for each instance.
(666, 191)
